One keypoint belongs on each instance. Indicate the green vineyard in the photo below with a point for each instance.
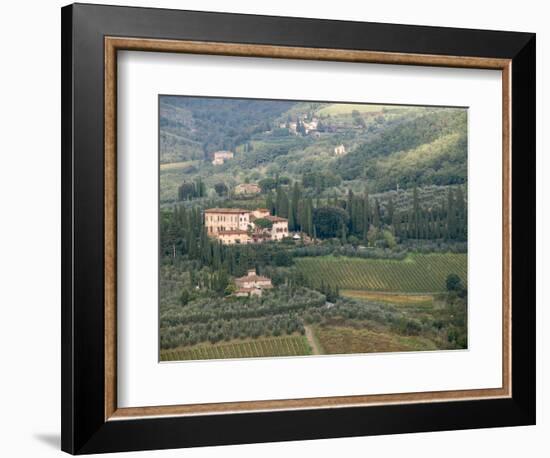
(257, 348)
(418, 273)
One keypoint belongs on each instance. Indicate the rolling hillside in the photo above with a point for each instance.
(387, 147)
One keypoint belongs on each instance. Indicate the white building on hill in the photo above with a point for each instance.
(340, 150)
(221, 156)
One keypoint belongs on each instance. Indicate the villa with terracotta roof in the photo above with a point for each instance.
(226, 219)
(236, 225)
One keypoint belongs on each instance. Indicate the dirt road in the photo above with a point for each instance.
(315, 349)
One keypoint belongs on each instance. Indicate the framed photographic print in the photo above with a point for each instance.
(281, 228)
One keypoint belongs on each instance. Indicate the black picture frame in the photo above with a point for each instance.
(84, 428)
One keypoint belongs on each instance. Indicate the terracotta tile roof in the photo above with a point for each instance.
(275, 219)
(226, 210)
(248, 186)
(254, 278)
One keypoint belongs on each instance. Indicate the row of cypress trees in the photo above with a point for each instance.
(446, 221)
(183, 232)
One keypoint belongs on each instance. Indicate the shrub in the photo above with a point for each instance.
(283, 258)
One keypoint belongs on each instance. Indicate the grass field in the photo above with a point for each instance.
(389, 298)
(346, 108)
(171, 177)
(345, 339)
(295, 345)
(177, 165)
(418, 273)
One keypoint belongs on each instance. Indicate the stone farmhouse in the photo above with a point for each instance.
(247, 189)
(252, 284)
(221, 156)
(236, 225)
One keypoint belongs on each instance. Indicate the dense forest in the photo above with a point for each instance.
(211, 124)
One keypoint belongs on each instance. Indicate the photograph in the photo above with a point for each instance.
(300, 228)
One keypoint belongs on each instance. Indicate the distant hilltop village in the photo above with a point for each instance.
(237, 226)
(301, 126)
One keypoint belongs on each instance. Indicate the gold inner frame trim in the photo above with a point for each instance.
(114, 44)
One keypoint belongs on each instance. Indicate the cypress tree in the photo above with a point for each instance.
(431, 232)
(437, 227)
(269, 204)
(366, 215)
(396, 224)
(461, 214)
(281, 203)
(291, 220)
(350, 209)
(284, 209)
(390, 210)
(300, 216)
(216, 256)
(451, 216)
(295, 204)
(344, 239)
(416, 213)
(308, 224)
(376, 214)
(411, 232)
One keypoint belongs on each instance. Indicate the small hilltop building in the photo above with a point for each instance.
(279, 230)
(340, 150)
(247, 189)
(219, 157)
(252, 284)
